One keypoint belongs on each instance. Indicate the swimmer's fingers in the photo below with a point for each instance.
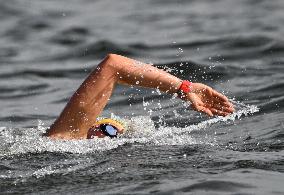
(219, 112)
(221, 107)
(201, 108)
(212, 111)
(219, 96)
(210, 106)
(221, 101)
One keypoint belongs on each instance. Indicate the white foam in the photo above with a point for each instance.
(141, 130)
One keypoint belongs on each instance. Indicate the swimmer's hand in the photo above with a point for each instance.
(207, 100)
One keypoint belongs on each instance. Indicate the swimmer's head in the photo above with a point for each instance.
(106, 127)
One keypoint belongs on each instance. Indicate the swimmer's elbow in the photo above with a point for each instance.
(114, 60)
(112, 56)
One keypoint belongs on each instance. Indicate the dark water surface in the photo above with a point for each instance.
(47, 48)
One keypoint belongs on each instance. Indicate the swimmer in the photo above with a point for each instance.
(79, 118)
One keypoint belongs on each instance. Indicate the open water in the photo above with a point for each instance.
(47, 48)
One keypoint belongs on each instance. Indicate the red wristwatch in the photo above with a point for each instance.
(184, 88)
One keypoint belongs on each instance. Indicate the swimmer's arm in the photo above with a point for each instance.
(135, 73)
(203, 98)
(88, 101)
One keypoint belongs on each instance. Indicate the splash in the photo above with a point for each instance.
(242, 110)
(140, 130)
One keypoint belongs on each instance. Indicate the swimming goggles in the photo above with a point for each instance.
(105, 127)
(108, 130)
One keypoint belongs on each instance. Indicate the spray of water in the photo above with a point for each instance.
(140, 130)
